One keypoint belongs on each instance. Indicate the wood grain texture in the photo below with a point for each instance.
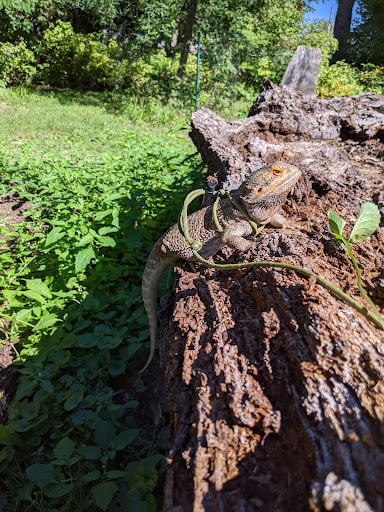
(276, 387)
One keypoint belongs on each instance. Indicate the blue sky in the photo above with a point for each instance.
(322, 10)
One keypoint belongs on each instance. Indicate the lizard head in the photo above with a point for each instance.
(267, 188)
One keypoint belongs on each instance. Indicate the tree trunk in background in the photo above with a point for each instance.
(186, 36)
(342, 26)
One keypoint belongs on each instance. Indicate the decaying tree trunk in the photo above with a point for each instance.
(277, 386)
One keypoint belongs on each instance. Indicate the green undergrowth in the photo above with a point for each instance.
(71, 303)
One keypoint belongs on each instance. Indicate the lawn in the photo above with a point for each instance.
(105, 177)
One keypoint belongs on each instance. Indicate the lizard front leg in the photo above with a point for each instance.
(278, 221)
(233, 236)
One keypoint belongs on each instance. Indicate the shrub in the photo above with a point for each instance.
(372, 78)
(340, 79)
(78, 60)
(17, 64)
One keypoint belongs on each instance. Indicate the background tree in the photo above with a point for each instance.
(367, 37)
(343, 20)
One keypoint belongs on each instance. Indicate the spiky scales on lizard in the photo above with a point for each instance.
(259, 196)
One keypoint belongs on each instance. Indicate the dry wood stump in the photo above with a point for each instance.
(275, 385)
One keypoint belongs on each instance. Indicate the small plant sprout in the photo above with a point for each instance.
(366, 224)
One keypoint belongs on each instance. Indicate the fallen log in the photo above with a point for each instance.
(276, 386)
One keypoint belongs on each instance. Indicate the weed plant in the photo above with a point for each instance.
(102, 192)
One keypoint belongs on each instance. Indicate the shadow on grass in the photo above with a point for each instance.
(93, 327)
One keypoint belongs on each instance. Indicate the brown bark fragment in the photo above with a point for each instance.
(275, 385)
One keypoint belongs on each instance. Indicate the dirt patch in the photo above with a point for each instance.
(12, 208)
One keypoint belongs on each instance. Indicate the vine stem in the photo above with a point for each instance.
(359, 284)
(377, 320)
(196, 246)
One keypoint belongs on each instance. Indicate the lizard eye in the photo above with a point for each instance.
(277, 171)
(259, 191)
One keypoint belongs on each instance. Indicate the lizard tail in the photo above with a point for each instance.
(154, 269)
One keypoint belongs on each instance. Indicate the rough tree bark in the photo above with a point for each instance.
(342, 27)
(275, 385)
(187, 32)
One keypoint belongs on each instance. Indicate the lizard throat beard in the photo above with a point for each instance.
(263, 208)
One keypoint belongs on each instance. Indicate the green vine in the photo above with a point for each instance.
(366, 224)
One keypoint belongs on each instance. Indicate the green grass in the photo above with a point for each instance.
(74, 115)
(81, 117)
(71, 288)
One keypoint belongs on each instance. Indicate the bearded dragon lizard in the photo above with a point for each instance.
(260, 195)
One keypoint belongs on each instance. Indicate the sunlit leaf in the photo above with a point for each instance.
(83, 259)
(36, 285)
(336, 224)
(54, 235)
(367, 222)
(46, 321)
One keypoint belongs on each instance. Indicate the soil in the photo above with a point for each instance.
(12, 208)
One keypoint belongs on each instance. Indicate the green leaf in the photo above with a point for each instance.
(41, 474)
(106, 241)
(25, 387)
(107, 229)
(115, 196)
(7, 434)
(103, 494)
(104, 433)
(86, 340)
(25, 493)
(54, 235)
(24, 315)
(101, 215)
(74, 459)
(87, 239)
(61, 489)
(125, 438)
(36, 285)
(83, 258)
(73, 400)
(336, 224)
(33, 295)
(117, 367)
(90, 452)
(178, 128)
(90, 477)
(115, 473)
(46, 321)
(64, 449)
(47, 386)
(115, 218)
(367, 222)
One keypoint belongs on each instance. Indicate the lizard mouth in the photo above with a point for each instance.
(277, 189)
